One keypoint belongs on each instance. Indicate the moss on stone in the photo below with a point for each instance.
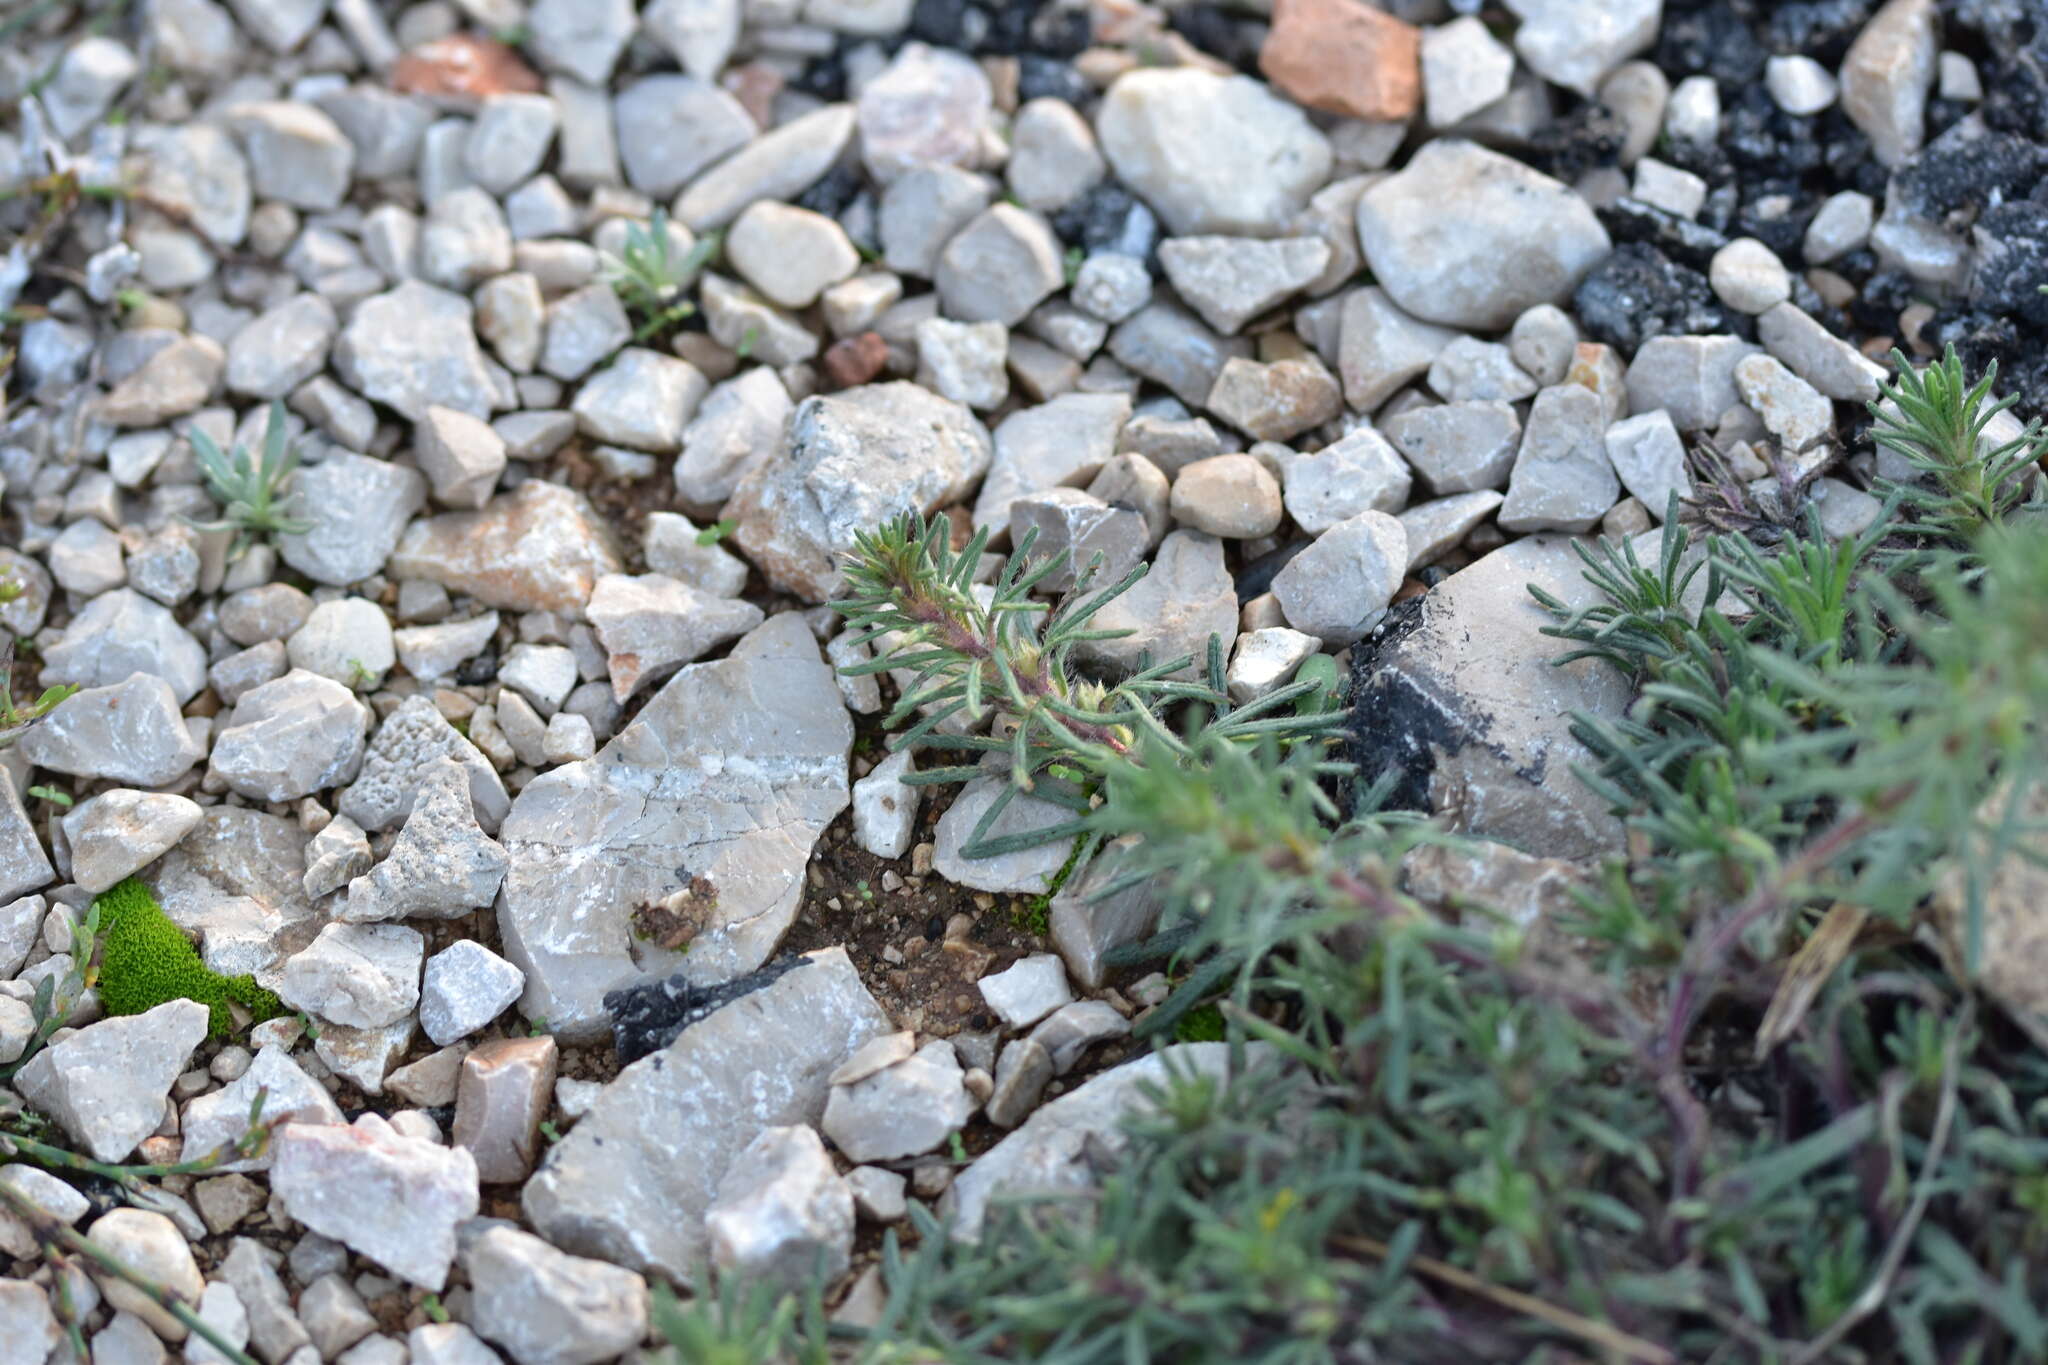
(146, 960)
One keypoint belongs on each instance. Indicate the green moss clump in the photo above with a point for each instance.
(1203, 1024)
(146, 960)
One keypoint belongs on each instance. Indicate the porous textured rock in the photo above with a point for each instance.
(849, 462)
(441, 866)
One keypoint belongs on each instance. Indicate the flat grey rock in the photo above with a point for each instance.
(729, 773)
(121, 633)
(130, 732)
(632, 1182)
(106, 1084)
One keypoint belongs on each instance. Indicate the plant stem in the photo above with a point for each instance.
(51, 1232)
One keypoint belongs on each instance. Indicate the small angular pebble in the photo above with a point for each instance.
(1471, 371)
(1278, 401)
(1887, 75)
(1791, 409)
(1459, 447)
(362, 976)
(461, 456)
(999, 267)
(1818, 356)
(781, 1211)
(1380, 347)
(779, 164)
(1435, 527)
(396, 1200)
(150, 1245)
(1799, 85)
(1263, 661)
(1232, 496)
(1339, 587)
(1358, 473)
(1691, 377)
(885, 808)
(964, 361)
(1111, 286)
(347, 639)
(291, 738)
(650, 625)
(1023, 1070)
(503, 1094)
(1053, 156)
(1027, 991)
(545, 1307)
(1649, 457)
(1231, 280)
(1562, 478)
(903, 1110)
(927, 107)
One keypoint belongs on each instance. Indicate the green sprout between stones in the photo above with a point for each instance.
(252, 492)
(15, 720)
(651, 277)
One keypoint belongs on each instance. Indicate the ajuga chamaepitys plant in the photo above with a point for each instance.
(1765, 1090)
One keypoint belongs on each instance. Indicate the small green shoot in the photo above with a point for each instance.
(251, 492)
(651, 277)
(717, 531)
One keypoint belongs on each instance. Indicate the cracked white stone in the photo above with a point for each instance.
(730, 772)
